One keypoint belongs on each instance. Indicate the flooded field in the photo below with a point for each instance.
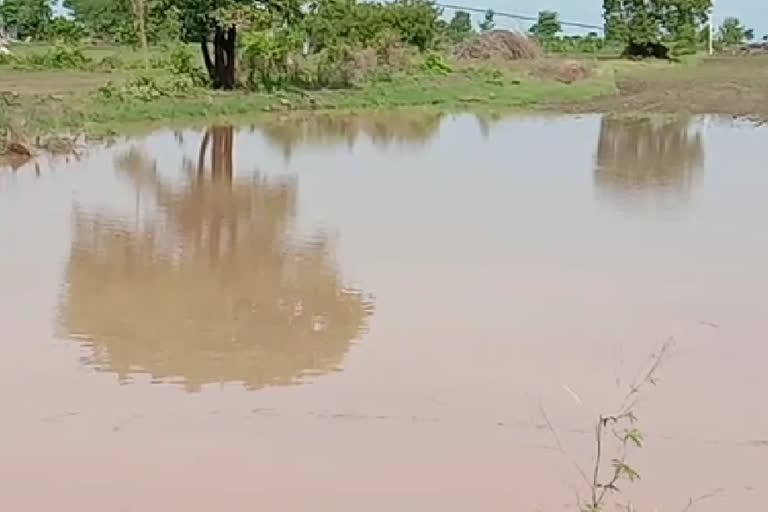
(346, 314)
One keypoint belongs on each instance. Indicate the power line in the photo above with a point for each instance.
(516, 16)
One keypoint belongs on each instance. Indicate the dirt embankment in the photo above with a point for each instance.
(736, 86)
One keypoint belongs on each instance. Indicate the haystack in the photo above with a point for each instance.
(498, 45)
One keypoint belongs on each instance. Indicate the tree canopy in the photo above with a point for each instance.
(488, 22)
(460, 26)
(115, 20)
(30, 18)
(645, 26)
(733, 32)
(276, 27)
(547, 26)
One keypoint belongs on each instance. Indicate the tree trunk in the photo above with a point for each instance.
(222, 69)
(230, 67)
(207, 60)
(141, 27)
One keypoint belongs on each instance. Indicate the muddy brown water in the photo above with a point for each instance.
(345, 314)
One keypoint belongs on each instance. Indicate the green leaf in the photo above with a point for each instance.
(624, 469)
(635, 436)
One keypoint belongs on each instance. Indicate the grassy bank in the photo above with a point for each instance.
(44, 101)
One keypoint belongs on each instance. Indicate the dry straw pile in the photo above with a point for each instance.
(499, 45)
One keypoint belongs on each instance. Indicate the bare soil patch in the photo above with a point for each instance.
(736, 86)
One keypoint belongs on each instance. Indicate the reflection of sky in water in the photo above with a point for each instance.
(464, 215)
(500, 274)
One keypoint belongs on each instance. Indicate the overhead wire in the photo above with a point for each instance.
(521, 17)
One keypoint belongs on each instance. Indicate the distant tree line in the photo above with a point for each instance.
(265, 34)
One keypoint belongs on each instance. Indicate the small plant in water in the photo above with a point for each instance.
(616, 433)
(620, 429)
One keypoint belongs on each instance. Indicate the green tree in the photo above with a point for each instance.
(732, 31)
(488, 22)
(547, 26)
(104, 19)
(460, 26)
(65, 30)
(650, 28)
(115, 20)
(749, 34)
(30, 18)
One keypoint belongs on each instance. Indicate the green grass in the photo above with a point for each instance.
(470, 86)
(95, 53)
(40, 102)
(76, 106)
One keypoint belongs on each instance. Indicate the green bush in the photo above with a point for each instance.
(136, 64)
(144, 88)
(159, 62)
(110, 62)
(147, 88)
(65, 30)
(591, 43)
(58, 57)
(181, 62)
(267, 54)
(109, 91)
(435, 64)
(683, 48)
(361, 24)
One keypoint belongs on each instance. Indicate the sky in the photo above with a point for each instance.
(752, 13)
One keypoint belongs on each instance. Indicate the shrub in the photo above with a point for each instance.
(110, 62)
(65, 30)
(159, 62)
(435, 64)
(144, 88)
(58, 57)
(182, 63)
(267, 54)
(573, 44)
(147, 88)
(108, 91)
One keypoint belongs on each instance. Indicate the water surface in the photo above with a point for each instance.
(345, 313)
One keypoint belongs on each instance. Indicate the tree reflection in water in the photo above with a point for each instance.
(214, 289)
(648, 159)
(382, 129)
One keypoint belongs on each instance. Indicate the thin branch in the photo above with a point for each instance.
(692, 502)
(598, 457)
(560, 446)
(648, 376)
